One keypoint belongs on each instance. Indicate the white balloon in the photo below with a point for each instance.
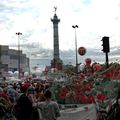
(81, 67)
(39, 69)
(10, 72)
(26, 73)
(16, 73)
(52, 70)
(38, 72)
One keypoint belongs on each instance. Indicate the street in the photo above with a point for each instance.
(79, 113)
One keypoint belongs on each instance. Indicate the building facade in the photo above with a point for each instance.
(9, 60)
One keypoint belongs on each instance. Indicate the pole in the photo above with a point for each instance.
(19, 33)
(76, 26)
(107, 61)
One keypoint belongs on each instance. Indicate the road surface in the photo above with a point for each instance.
(79, 113)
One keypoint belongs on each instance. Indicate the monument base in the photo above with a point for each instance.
(58, 64)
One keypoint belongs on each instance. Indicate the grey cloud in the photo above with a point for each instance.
(94, 54)
(119, 5)
(116, 52)
(87, 2)
(27, 34)
(115, 47)
(9, 11)
(4, 8)
(44, 30)
(8, 7)
(43, 56)
(27, 46)
(117, 18)
(36, 51)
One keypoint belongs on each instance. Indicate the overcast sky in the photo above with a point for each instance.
(95, 18)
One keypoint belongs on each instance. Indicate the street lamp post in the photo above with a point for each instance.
(76, 26)
(18, 33)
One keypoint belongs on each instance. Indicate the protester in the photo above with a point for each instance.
(31, 94)
(39, 89)
(49, 109)
(12, 93)
(5, 106)
(39, 95)
(23, 108)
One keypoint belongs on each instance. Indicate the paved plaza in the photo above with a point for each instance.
(79, 113)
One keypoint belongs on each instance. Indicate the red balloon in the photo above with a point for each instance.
(97, 67)
(82, 51)
(88, 61)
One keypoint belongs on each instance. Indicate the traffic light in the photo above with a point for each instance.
(106, 46)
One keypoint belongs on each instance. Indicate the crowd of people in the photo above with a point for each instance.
(33, 101)
(27, 101)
